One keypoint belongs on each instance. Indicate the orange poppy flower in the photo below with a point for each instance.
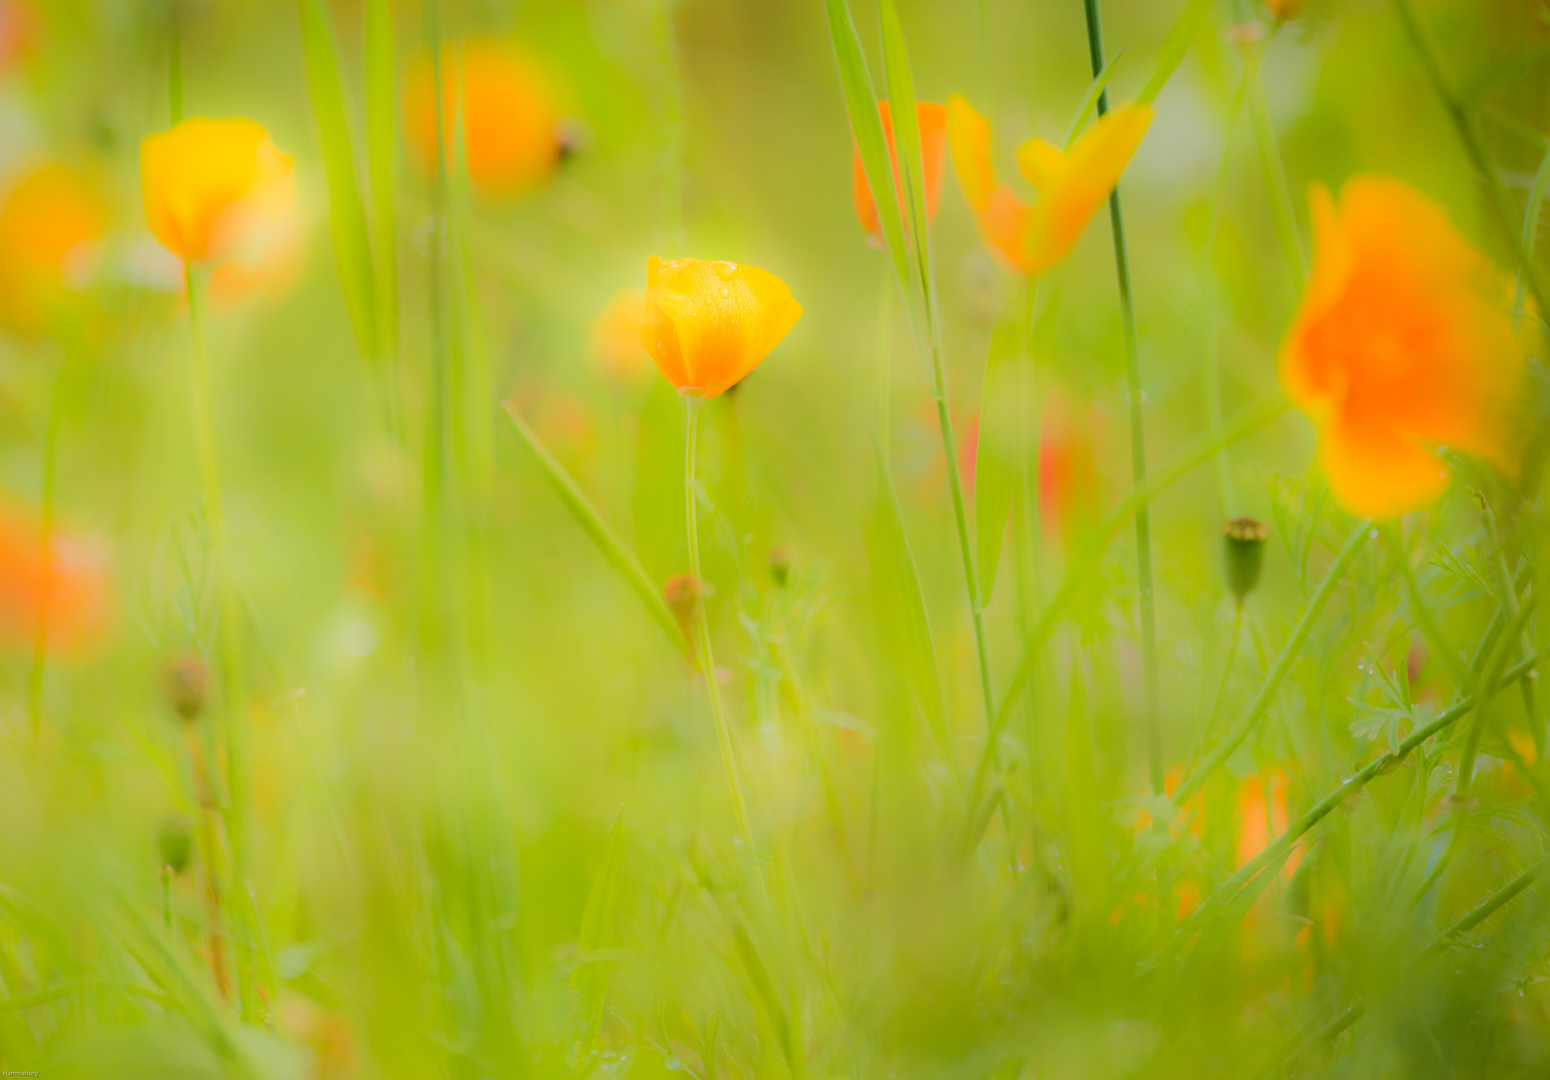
(708, 324)
(511, 114)
(51, 218)
(1403, 342)
(60, 587)
(932, 118)
(1073, 185)
(614, 340)
(218, 191)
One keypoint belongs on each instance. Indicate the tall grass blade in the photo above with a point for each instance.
(346, 212)
(1175, 46)
(382, 166)
(598, 924)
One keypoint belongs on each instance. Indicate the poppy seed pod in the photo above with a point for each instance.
(186, 683)
(779, 561)
(175, 842)
(1244, 548)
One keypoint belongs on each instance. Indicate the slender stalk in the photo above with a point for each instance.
(1277, 851)
(1289, 653)
(1148, 614)
(228, 627)
(1474, 147)
(1226, 497)
(670, 122)
(884, 373)
(1282, 211)
(56, 410)
(692, 407)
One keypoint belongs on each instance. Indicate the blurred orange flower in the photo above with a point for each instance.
(932, 118)
(708, 324)
(1284, 10)
(218, 191)
(1403, 342)
(1073, 185)
(614, 342)
(15, 33)
(59, 586)
(1261, 819)
(51, 219)
(511, 114)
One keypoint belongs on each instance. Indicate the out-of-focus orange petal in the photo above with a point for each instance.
(511, 115)
(61, 588)
(931, 117)
(216, 189)
(1403, 342)
(708, 324)
(50, 220)
(969, 144)
(614, 341)
(1075, 185)
(16, 30)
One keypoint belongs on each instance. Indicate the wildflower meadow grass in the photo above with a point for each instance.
(773, 538)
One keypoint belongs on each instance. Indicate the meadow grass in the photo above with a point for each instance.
(472, 704)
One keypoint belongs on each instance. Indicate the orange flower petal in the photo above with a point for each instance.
(931, 118)
(511, 115)
(216, 189)
(1075, 185)
(60, 588)
(708, 324)
(1403, 342)
(969, 143)
(614, 340)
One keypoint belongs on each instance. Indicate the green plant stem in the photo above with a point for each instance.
(1536, 200)
(56, 410)
(884, 372)
(229, 626)
(1282, 211)
(692, 408)
(1146, 601)
(1226, 498)
(1310, 1043)
(1196, 453)
(1474, 147)
(1283, 665)
(1282, 845)
(1227, 666)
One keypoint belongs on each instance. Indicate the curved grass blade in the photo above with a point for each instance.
(1000, 446)
(1175, 46)
(381, 160)
(597, 932)
(1090, 102)
(607, 542)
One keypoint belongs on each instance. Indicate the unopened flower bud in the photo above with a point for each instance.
(186, 683)
(1245, 554)
(779, 561)
(175, 842)
(683, 595)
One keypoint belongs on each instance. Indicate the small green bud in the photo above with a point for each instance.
(1245, 554)
(779, 561)
(175, 842)
(186, 683)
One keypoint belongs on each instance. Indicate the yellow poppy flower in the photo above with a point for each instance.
(511, 114)
(50, 220)
(708, 324)
(218, 190)
(1073, 185)
(1403, 342)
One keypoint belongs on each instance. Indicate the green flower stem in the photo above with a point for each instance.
(693, 406)
(1281, 847)
(1090, 558)
(1283, 665)
(56, 409)
(228, 638)
(1310, 1043)
(1474, 148)
(1153, 719)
